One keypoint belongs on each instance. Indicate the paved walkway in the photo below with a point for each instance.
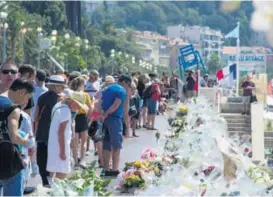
(132, 147)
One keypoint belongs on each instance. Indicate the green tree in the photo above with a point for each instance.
(134, 14)
(213, 64)
(154, 14)
(53, 11)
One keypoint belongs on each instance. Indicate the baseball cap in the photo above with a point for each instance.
(126, 78)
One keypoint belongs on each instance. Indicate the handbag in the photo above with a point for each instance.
(96, 131)
(132, 111)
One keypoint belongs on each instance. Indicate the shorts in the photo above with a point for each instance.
(144, 104)
(81, 123)
(141, 103)
(113, 133)
(152, 106)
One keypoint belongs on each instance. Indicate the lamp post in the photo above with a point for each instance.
(3, 16)
(23, 31)
(86, 48)
(66, 37)
(40, 35)
(5, 27)
(113, 56)
(54, 36)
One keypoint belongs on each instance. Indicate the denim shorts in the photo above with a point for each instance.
(141, 103)
(152, 106)
(113, 133)
(13, 186)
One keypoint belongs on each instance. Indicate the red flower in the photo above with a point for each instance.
(137, 172)
(246, 149)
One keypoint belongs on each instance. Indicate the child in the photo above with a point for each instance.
(134, 111)
(27, 150)
(95, 130)
(60, 133)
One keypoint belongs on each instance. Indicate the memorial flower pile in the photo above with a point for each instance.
(84, 183)
(202, 160)
(131, 179)
(154, 167)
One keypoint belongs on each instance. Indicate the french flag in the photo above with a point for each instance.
(227, 75)
(227, 71)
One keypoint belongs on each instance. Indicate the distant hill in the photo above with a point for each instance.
(156, 16)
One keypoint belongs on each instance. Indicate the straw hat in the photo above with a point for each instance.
(56, 80)
(80, 99)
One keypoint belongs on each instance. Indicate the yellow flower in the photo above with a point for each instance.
(137, 164)
(183, 109)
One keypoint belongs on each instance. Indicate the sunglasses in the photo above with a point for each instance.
(13, 72)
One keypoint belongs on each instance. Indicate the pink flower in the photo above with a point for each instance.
(148, 154)
(126, 174)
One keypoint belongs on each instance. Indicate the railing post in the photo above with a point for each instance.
(257, 128)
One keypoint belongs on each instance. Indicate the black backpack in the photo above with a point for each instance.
(11, 162)
(148, 92)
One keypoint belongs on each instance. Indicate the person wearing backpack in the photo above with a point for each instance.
(12, 164)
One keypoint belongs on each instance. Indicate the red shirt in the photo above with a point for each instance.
(96, 115)
(156, 92)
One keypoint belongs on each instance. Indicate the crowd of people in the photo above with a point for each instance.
(48, 122)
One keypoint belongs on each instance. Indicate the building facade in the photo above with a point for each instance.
(256, 59)
(155, 48)
(175, 45)
(210, 41)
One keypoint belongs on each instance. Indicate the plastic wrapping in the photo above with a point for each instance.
(210, 162)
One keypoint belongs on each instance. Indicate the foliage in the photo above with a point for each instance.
(156, 16)
(89, 176)
(213, 63)
(52, 11)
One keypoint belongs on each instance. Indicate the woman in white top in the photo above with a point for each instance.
(58, 162)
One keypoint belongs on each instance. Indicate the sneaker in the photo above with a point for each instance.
(113, 174)
(102, 173)
(29, 190)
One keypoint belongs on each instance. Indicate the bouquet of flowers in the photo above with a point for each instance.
(182, 111)
(154, 167)
(131, 179)
(148, 154)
